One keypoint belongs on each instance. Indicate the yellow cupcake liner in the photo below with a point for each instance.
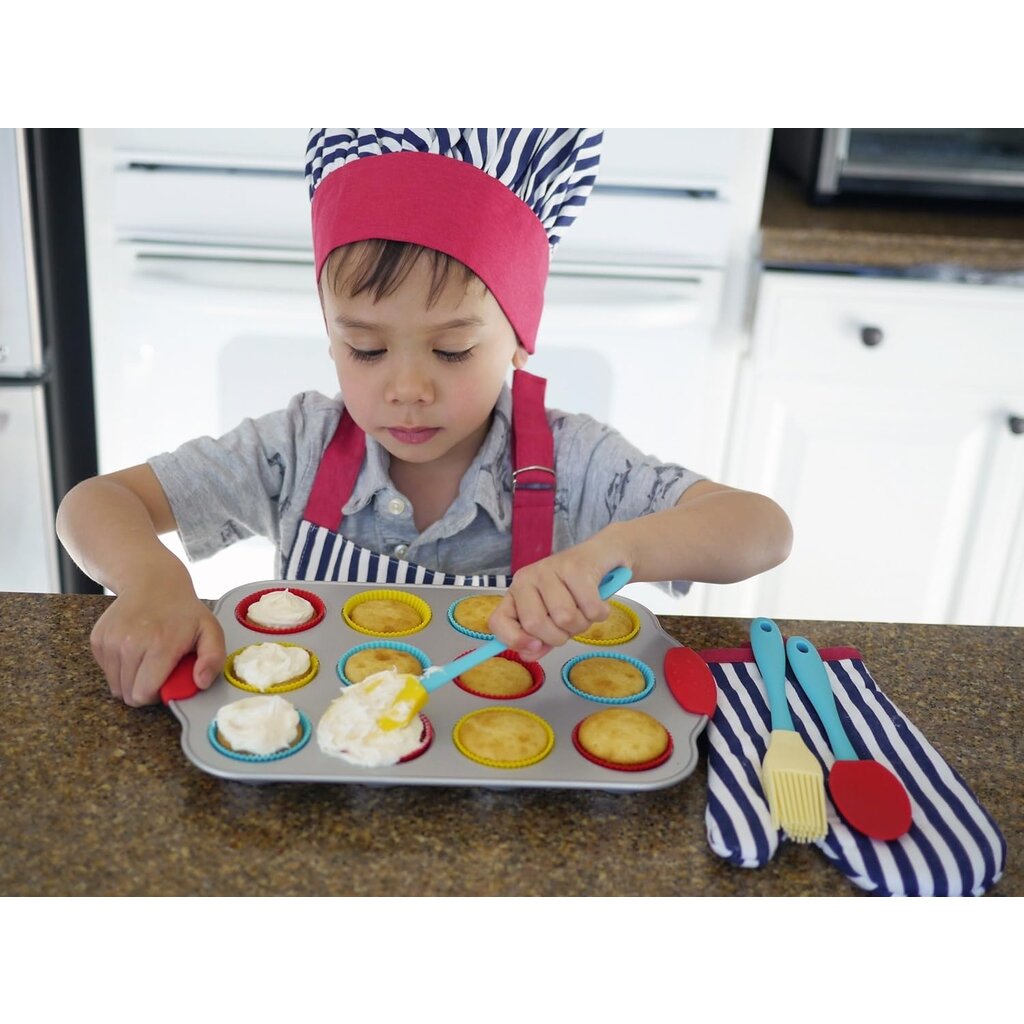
(417, 603)
(613, 641)
(289, 684)
(492, 762)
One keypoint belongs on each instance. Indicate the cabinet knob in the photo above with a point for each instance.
(1016, 424)
(871, 336)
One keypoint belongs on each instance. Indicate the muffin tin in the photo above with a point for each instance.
(441, 764)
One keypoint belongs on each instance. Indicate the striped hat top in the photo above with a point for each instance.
(496, 199)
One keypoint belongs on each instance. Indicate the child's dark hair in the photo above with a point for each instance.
(379, 266)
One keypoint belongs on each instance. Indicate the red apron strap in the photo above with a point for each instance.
(337, 475)
(533, 472)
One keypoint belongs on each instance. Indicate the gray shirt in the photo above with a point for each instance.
(257, 478)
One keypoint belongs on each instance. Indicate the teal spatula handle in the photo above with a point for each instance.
(612, 582)
(770, 655)
(811, 675)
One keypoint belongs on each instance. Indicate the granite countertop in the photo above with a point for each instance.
(100, 800)
(982, 244)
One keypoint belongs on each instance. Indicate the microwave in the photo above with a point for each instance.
(926, 163)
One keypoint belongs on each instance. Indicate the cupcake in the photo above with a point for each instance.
(271, 667)
(610, 679)
(504, 676)
(386, 613)
(472, 614)
(280, 611)
(368, 659)
(624, 739)
(503, 737)
(259, 728)
(348, 728)
(621, 625)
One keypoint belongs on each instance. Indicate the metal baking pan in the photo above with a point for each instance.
(442, 764)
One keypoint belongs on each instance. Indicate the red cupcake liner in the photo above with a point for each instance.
(614, 765)
(426, 738)
(242, 611)
(533, 667)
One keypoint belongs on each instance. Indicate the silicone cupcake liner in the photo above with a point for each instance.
(533, 667)
(426, 738)
(307, 731)
(632, 698)
(392, 645)
(492, 762)
(616, 766)
(417, 603)
(615, 640)
(475, 634)
(291, 684)
(242, 611)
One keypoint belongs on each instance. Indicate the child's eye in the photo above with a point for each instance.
(361, 355)
(454, 357)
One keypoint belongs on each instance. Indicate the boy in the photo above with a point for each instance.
(431, 250)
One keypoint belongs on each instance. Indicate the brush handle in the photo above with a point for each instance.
(770, 655)
(811, 675)
(612, 582)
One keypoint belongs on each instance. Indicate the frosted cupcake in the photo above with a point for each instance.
(280, 610)
(272, 667)
(259, 728)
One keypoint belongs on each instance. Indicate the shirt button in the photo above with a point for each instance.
(401, 550)
(396, 506)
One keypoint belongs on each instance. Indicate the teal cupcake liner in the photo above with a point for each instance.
(645, 671)
(465, 630)
(393, 645)
(307, 731)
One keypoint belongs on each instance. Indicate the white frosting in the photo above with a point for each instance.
(280, 609)
(258, 725)
(349, 728)
(266, 665)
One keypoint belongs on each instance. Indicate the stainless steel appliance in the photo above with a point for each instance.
(47, 436)
(933, 163)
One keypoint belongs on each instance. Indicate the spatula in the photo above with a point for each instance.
(416, 691)
(792, 778)
(865, 793)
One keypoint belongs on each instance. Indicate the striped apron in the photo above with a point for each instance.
(321, 552)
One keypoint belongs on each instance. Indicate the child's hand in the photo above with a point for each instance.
(551, 601)
(141, 637)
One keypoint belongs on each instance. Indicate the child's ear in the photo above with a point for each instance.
(520, 356)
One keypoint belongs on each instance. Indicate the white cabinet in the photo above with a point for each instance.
(878, 413)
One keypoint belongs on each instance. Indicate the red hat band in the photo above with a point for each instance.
(444, 204)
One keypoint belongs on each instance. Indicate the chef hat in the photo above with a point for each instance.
(496, 199)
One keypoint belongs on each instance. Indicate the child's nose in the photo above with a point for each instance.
(410, 383)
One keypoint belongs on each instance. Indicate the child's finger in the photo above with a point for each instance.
(210, 653)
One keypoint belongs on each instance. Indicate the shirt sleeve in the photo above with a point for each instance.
(242, 484)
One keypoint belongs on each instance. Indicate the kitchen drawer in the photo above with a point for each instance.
(876, 333)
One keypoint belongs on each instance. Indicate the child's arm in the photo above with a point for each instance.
(714, 534)
(110, 526)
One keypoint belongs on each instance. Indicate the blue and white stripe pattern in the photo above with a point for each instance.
(953, 847)
(320, 554)
(551, 169)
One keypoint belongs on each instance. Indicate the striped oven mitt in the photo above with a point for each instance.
(953, 847)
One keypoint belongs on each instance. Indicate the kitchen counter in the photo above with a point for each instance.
(100, 800)
(977, 245)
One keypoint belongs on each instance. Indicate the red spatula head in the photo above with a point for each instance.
(690, 681)
(180, 685)
(870, 798)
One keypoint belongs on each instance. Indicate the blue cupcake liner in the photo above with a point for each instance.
(465, 629)
(307, 731)
(645, 670)
(393, 645)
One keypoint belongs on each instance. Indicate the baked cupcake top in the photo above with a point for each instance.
(258, 725)
(270, 664)
(474, 613)
(620, 625)
(607, 677)
(371, 660)
(623, 736)
(503, 737)
(280, 609)
(502, 676)
(349, 729)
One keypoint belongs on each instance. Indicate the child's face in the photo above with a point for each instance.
(422, 381)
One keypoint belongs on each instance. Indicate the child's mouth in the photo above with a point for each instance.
(412, 435)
